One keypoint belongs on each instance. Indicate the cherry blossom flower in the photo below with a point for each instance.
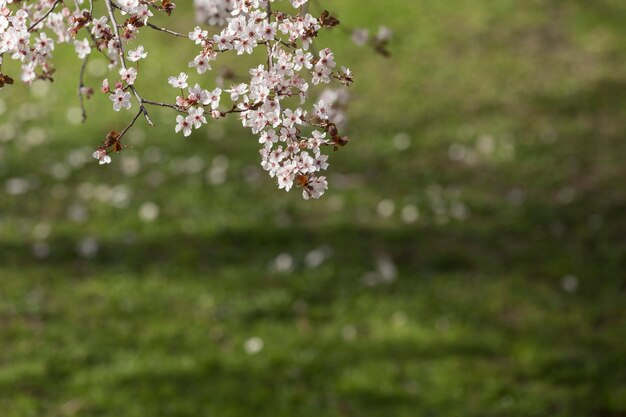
(82, 48)
(360, 36)
(178, 82)
(237, 91)
(200, 63)
(213, 12)
(99, 27)
(214, 98)
(314, 188)
(198, 35)
(137, 54)
(129, 75)
(322, 110)
(384, 34)
(185, 124)
(120, 99)
(196, 116)
(101, 156)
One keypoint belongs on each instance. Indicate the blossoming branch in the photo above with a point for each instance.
(275, 103)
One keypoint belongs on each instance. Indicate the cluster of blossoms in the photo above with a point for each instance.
(274, 103)
(213, 12)
(378, 42)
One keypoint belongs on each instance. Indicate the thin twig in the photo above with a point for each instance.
(171, 32)
(132, 122)
(288, 45)
(31, 27)
(81, 84)
(156, 103)
(268, 44)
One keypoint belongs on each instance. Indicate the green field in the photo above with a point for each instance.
(469, 258)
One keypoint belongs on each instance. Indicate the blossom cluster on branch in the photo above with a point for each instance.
(274, 103)
(213, 12)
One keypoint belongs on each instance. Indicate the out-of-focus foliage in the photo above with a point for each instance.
(470, 259)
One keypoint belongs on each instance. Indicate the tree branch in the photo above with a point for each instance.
(171, 32)
(41, 19)
(81, 84)
(132, 122)
(156, 103)
(143, 109)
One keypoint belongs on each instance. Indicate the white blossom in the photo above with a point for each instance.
(82, 48)
(120, 99)
(136, 54)
(185, 124)
(179, 81)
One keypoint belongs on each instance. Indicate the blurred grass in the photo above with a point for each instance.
(504, 297)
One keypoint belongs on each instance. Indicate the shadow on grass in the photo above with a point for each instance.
(539, 240)
(606, 97)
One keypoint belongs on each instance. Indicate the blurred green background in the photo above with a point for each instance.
(469, 258)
